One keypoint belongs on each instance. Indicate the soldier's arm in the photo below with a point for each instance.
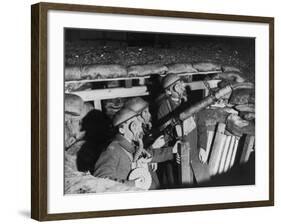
(161, 154)
(106, 167)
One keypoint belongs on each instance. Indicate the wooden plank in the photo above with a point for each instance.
(140, 78)
(224, 154)
(106, 79)
(247, 149)
(229, 153)
(102, 94)
(186, 176)
(199, 73)
(210, 138)
(233, 156)
(217, 149)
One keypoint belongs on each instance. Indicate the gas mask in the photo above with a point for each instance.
(178, 91)
(133, 130)
(145, 118)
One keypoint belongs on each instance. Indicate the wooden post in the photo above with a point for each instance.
(229, 154)
(233, 156)
(224, 154)
(128, 83)
(217, 149)
(247, 149)
(186, 176)
(141, 81)
(97, 104)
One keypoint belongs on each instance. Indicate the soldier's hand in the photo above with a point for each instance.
(159, 142)
(139, 182)
(142, 162)
(154, 166)
(203, 155)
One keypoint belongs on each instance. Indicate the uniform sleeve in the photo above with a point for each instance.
(163, 109)
(107, 163)
(161, 154)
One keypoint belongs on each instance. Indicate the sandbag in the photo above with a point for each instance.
(76, 182)
(242, 96)
(206, 67)
(103, 71)
(143, 70)
(72, 73)
(226, 68)
(72, 130)
(87, 107)
(73, 104)
(77, 86)
(86, 183)
(180, 68)
(238, 126)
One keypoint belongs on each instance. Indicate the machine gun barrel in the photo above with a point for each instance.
(212, 98)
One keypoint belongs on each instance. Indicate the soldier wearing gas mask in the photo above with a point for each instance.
(173, 99)
(126, 153)
(141, 107)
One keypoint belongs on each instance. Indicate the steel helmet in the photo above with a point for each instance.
(136, 104)
(122, 116)
(169, 80)
(73, 104)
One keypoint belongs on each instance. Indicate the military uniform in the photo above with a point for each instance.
(116, 161)
(168, 171)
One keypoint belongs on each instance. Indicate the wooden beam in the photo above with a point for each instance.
(186, 175)
(197, 85)
(210, 138)
(247, 149)
(103, 94)
(199, 73)
(217, 149)
(233, 156)
(106, 79)
(224, 154)
(229, 154)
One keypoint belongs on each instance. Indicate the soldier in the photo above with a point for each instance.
(140, 106)
(173, 99)
(117, 161)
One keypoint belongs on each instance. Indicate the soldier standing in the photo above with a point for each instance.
(173, 99)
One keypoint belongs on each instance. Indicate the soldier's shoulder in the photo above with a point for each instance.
(161, 98)
(113, 147)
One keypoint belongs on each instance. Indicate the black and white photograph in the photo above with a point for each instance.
(157, 111)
